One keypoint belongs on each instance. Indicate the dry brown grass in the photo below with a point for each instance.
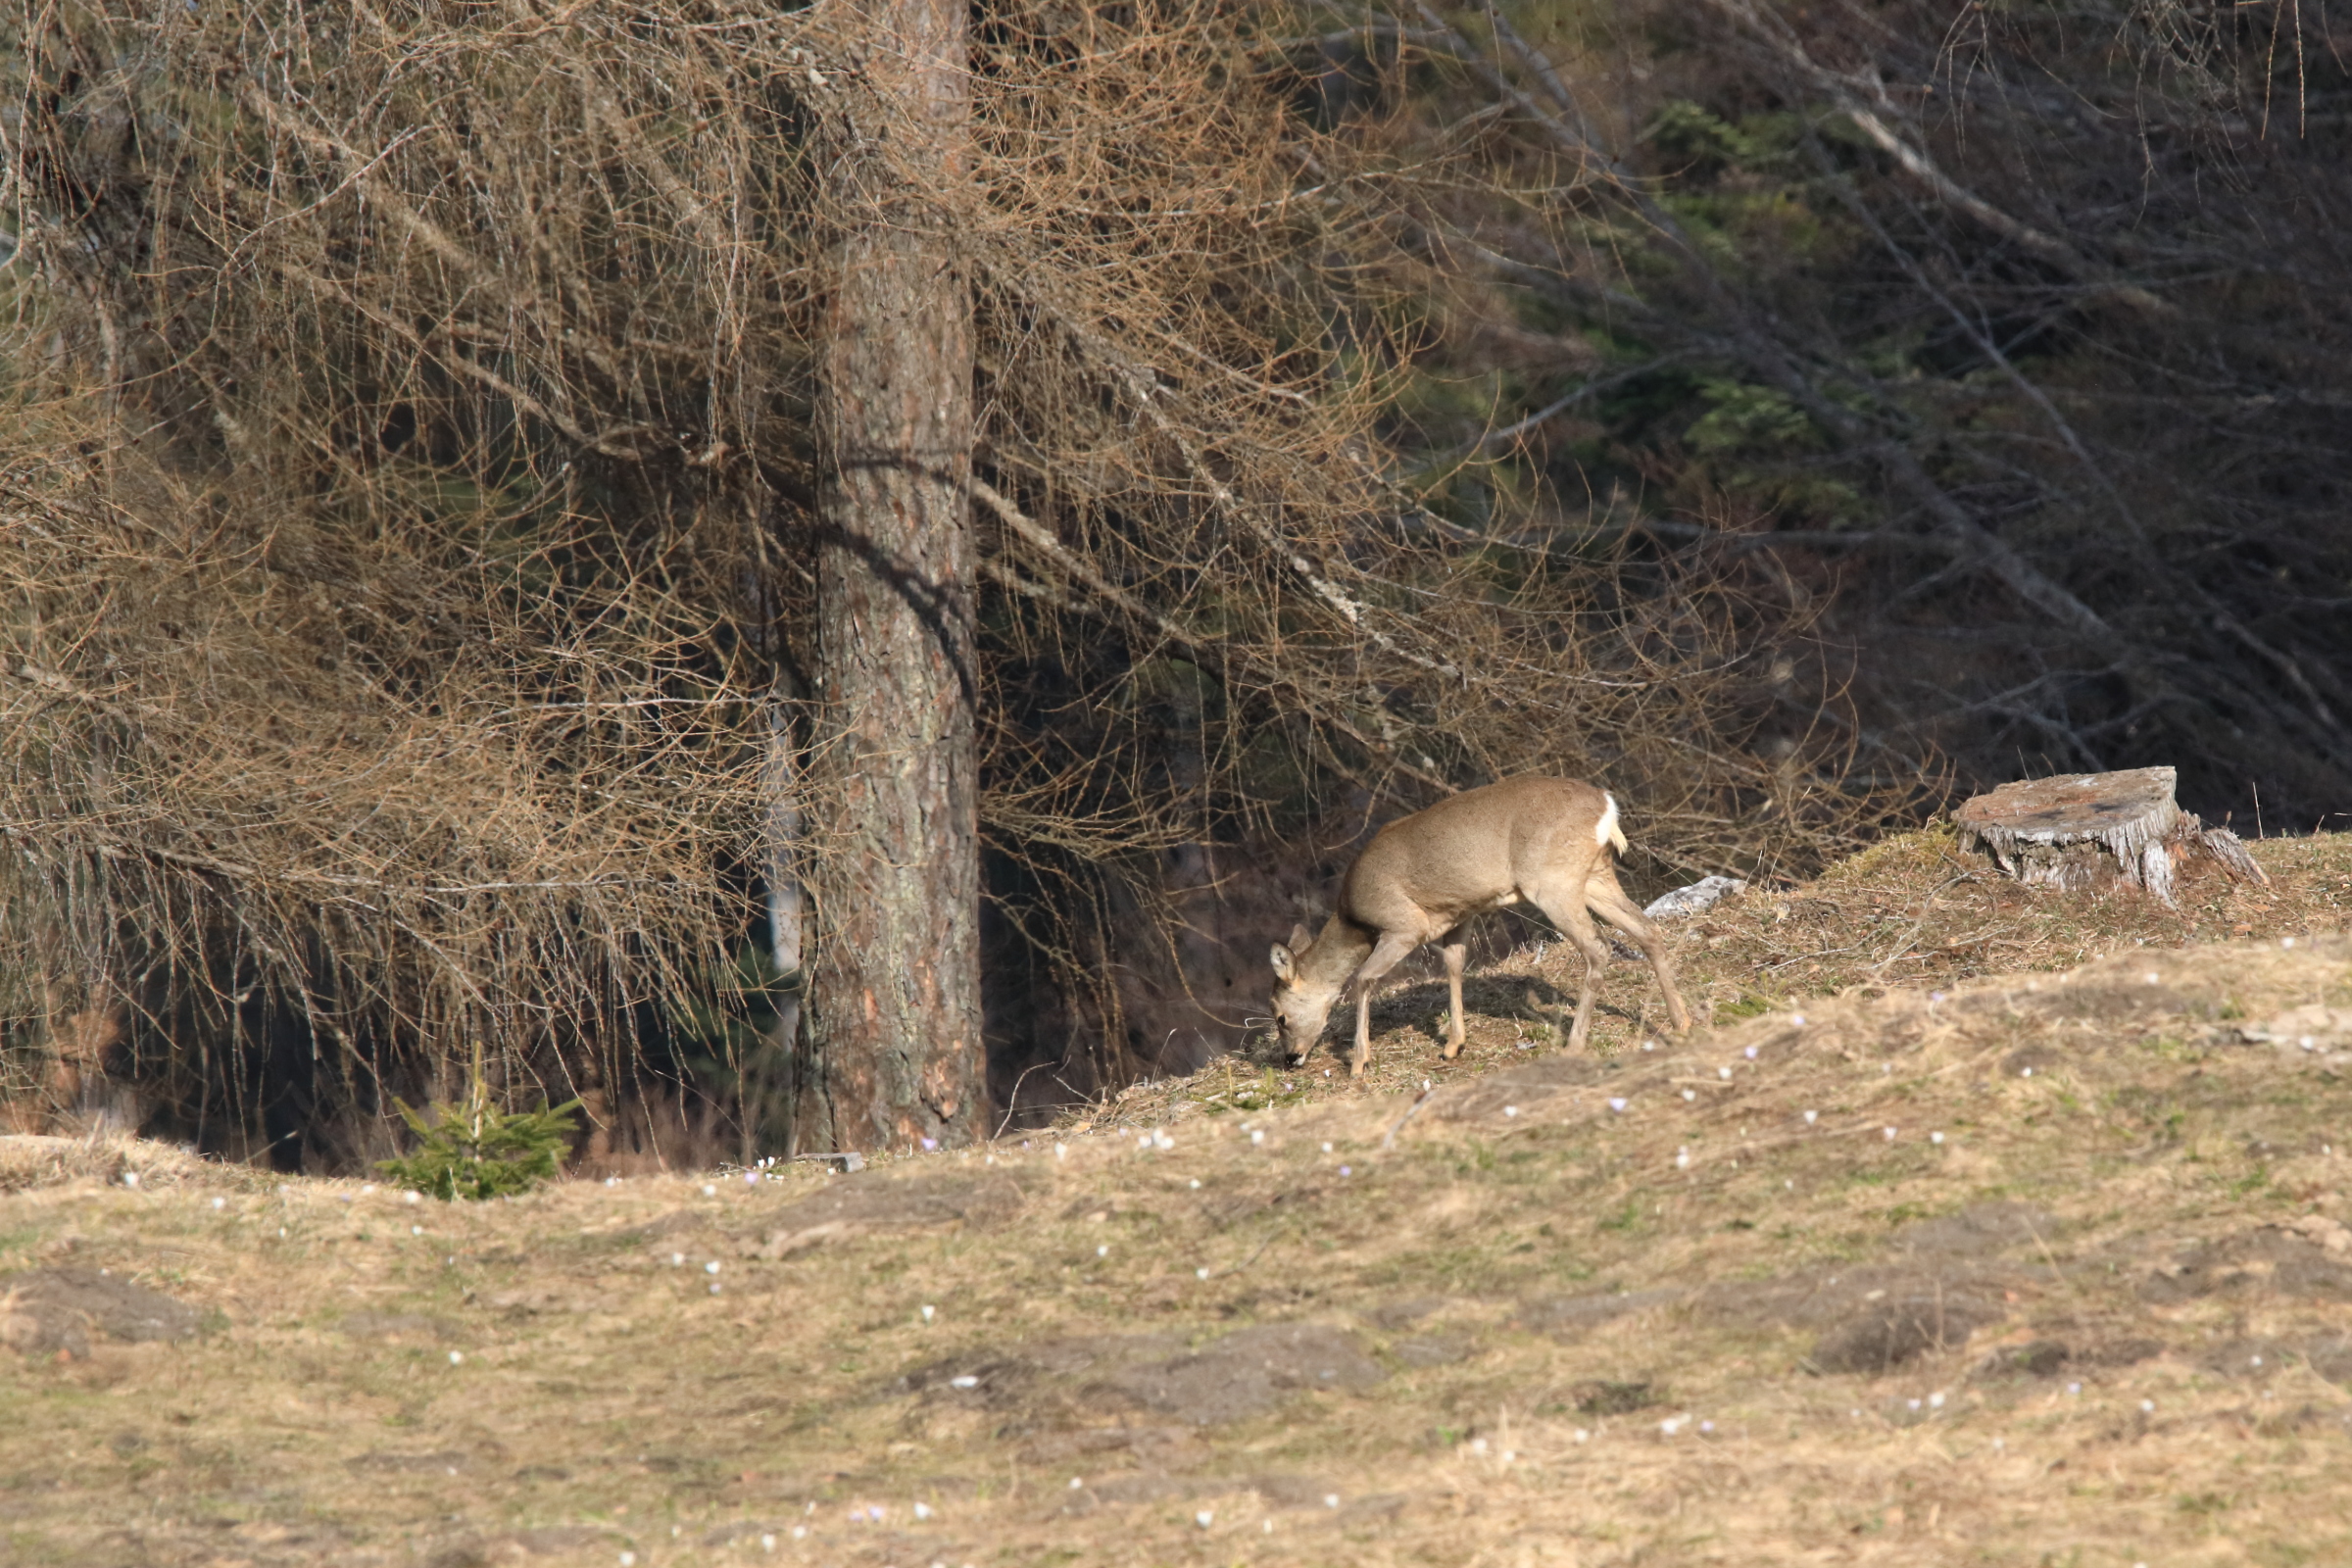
(1513, 1297)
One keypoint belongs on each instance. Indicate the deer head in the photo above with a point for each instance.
(1301, 1003)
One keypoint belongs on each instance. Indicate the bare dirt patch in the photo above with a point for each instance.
(54, 1310)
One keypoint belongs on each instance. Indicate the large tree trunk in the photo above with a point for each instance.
(897, 1054)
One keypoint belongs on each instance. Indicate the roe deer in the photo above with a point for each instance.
(1545, 840)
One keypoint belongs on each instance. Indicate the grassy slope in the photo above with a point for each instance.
(2034, 1340)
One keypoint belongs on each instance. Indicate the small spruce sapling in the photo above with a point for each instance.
(476, 1151)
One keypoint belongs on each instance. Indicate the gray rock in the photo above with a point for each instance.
(1690, 899)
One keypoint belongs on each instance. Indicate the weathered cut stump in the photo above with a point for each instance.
(2098, 830)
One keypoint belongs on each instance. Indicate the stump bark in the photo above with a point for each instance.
(2098, 831)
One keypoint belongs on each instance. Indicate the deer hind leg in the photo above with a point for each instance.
(1567, 911)
(1455, 952)
(1608, 901)
(1386, 954)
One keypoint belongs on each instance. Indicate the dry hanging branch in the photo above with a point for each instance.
(423, 501)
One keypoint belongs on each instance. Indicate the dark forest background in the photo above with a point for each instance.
(412, 497)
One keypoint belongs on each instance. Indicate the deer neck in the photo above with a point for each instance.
(1331, 960)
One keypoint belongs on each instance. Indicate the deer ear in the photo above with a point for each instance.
(1282, 962)
(1302, 939)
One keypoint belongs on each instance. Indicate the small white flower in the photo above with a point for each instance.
(1196, 1184)
(1723, 1072)
(1681, 1159)
(1706, 1426)
(1103, 1250)
(1751, 1052)
(416, 1229)
(1076, 1484)
(1331, 1499)
(768, 1542)
(1889, 1132)
(1934, 1401)
(1257, 1137)
(130, 1178)
(928, 1311)
(714, 1287)
(1935, 1138)
(2024, 1072)
(1582, 1436)
(628, 1559)
(2148, 1406)
(966, 1380)
(1327, 1148)
(1689, 1093)
(1508, 1456)
(220, 1203)
(1507, 1110)
(366, 1188)
(2074, 1387)
(799, 1532)
(457, 1359)
(1649, 1045)
(1199, 1273)
(411, 1197)
(1061, 1151)
(1205, 1518)
(2257, 1360)
(923, 1510)
(1797, 1018)
(1617, 1105)
(612, 1180)
(2154, 978)
(1812, 1116)
(1478, 1445)
(677, 1260)
(2286, 942)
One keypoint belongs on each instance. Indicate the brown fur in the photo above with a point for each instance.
(1540, 841)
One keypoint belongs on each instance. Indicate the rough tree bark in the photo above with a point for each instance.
(896, 1050)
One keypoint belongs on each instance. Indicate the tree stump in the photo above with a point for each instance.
(2098, 831)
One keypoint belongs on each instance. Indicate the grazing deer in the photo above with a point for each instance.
(1544, 841)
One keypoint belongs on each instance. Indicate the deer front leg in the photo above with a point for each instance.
(1386, 954)
(1456, 952)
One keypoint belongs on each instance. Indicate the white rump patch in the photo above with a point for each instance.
(1606, 831)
